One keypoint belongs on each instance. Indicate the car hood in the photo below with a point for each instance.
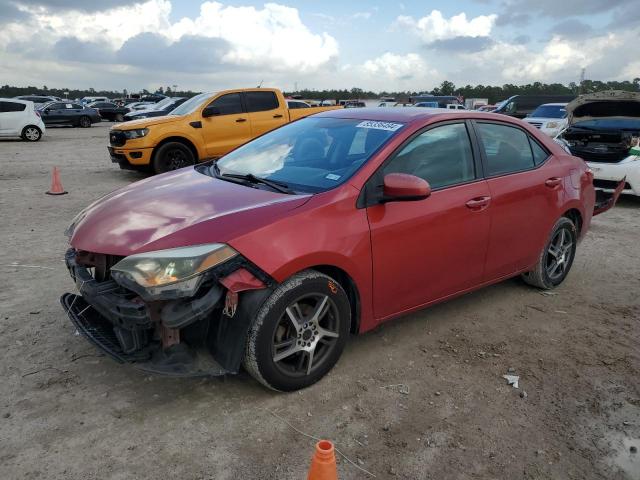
(612, 103)
(145, 122)
(544, 119)
(177, 209)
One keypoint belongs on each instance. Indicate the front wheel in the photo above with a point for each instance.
(31, 133)
(171, 156)
(299, 332)
(84, 122)
(556, 258)
(119, 117)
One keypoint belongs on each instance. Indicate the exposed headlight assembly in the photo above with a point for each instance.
(137, 133)
(170, 274)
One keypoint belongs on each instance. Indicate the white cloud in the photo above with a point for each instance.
(435, 26)
(391, 71)
(273, 37)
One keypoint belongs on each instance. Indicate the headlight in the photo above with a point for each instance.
(138, 133)
(552, 125)
(169, 274)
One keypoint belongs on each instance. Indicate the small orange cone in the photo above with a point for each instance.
(323, 463)
(56, 184)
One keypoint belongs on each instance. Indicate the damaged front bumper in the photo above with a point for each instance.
(199, 336)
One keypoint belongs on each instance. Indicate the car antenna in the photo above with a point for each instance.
(260, 84)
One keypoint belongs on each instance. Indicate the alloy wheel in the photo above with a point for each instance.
(559, 254)
(176, 159)
(305, 335)
(32, 134)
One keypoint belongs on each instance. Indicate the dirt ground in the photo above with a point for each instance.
(420, 398)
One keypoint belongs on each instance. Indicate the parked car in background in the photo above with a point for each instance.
(273, 255)
(520, 106)
(352, 103)
(163, 107)
(19, 118)
(486, 108)
(297, 104)
(206, 126)
(604, 129)
(140, 105)
(442, 100)
(37, 99)
(67, 113)
(427, 105)
(88, 100)
(550, 118)
(110, 111)
(455, 106)
(390, 103)
(152, 97)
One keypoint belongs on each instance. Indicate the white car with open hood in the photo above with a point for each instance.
(550, 118)
(604, 129)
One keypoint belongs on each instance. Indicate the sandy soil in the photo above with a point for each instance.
(67, 412)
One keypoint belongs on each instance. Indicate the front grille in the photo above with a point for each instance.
(609, 184)
(536, 124)
(117, 138)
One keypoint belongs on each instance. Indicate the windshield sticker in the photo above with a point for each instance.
(331, 176)
(390, 127)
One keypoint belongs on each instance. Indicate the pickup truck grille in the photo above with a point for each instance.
(117, 138)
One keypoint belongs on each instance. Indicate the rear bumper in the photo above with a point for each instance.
(614, 172)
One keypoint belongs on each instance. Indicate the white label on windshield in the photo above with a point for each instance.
(332, 176)
(391, 127)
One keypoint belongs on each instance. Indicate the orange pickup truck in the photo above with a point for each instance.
(204, 127)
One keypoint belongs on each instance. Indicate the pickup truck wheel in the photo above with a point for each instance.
(171, 156)
(556, 257)
(84, 121)
(299, 332)
(31, 133)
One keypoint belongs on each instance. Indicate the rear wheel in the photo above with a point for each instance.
(299, 333)
(171, 156)
(31, 133)
(556, 257)
(84, 121)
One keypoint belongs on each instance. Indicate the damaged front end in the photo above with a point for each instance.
(182, 312)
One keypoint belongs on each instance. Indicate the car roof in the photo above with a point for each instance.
(410, 115)
(16, 100)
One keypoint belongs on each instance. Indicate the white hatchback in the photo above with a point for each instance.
(18, 118)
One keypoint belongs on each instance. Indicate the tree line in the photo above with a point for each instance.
(493, 93)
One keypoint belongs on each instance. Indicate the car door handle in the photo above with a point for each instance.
(553, 182)
(240, 120)
(277, 116)
(478, 203)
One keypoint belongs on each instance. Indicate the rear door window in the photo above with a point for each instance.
(506, 148)
(228, 104)
(12, 107)
(261, 101)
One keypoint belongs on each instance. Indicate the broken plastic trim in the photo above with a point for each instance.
(605, 201)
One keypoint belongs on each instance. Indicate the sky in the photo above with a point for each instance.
(383, 45)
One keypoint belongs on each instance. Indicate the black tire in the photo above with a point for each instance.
(273, 333)
(171, 156)
(551, 269)
(119, 117)
(31, 133)
(84, 122)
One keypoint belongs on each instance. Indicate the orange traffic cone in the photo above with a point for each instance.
(323, 463)
(56, 184)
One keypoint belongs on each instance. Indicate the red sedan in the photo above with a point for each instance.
(270, 257)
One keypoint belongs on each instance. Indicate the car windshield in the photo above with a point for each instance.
(610, 124)
(190, 105)
(310, 155)
(549, 111)
(162, 103)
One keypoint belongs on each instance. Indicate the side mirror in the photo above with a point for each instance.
(210, 111)
(399, 187)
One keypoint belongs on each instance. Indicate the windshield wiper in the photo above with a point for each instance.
(251, 178)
